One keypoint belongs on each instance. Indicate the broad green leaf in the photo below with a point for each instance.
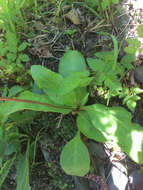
(46, 79)
(115, 124)
(75, 157)
(76, 79)
(67, 99)
(134, 143)
(69, 83)
(86, 127)
(22, 174)
(108, 119)
(5, 169)
(10, 107)
(50, 82)
(81, 96)
(72, 61)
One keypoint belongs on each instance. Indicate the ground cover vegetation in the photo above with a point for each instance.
(88, 92)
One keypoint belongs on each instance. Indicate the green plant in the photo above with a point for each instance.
(16, 143)
(104, 8)
(71, 32)
(13, 23)
(12, 56)
(17, 148)
(10, 146)
(106, 4)
(11, 16)
(66, 92)
(109, 73)
(134, 44)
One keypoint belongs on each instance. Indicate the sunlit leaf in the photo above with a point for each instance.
(86, 127)
(115, 124)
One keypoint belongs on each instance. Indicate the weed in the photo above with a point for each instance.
(104, 8)
(66, 93)
(13, 23)
(71, 32)
(12, 56)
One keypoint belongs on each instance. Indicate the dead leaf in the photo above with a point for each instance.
(73, 17)
(41, 51)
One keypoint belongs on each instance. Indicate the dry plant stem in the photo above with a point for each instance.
(60, 120)
(33, 102)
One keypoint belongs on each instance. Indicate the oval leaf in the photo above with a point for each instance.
(50, 83)
(86, 127)
(46, 79)
(72, 61)
(115, 124)
(75, 158)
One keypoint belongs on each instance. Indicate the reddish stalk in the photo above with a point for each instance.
(33, 102)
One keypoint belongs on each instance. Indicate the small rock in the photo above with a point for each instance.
(136, 180)
(139, 74)
(117, 179)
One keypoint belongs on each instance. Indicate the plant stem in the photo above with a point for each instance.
(34, 102)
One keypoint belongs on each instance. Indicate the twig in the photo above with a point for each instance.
(60, 120)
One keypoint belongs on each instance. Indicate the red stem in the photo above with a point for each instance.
(33, 102)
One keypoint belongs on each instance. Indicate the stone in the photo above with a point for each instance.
(138, 74)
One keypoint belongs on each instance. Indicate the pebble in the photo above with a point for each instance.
(138, 74)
